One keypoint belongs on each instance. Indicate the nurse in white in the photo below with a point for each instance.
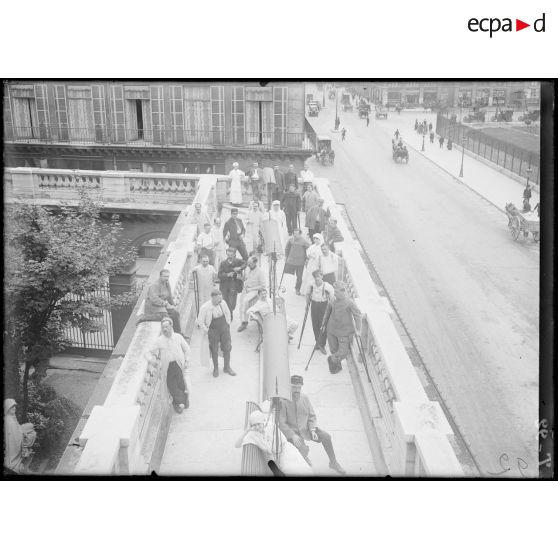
(236, 186)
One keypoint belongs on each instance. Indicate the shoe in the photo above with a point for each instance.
(322, 350)
(297, 292)
(177, 408)
(187, 404)
(229, 371)
(291, 337)
(215, 372)
(336, 467)
(242, 327)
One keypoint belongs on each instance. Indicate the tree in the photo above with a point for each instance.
(50, 255)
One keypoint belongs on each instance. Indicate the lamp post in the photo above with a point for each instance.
(528, 172)
(423, 136)
(465, 139)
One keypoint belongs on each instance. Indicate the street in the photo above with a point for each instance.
(467, 293)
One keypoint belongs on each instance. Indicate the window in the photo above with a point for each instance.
(25, 112)
(177, 114)
(80, 111)
(238, 116)
(280, 115)
(118, 119)
(61, 113)
(197, 115)
(157, 114)
(99, 115)
(217, 115)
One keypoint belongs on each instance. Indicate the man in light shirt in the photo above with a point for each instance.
(254, 279)
(328, 264)
(256, 178)
(205, 244)
(319, 293)
(174, 353)
(264, 306)
(200, 217)
(215, 319)
(306, 176)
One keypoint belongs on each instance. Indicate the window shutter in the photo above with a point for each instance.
(99, 113)
(217, 114)
(157, 114)
(42, 110)
(118, 118)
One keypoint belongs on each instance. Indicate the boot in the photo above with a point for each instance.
(227, 367)
(336, 467)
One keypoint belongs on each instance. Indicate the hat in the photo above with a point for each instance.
(215, 292)
(234, 210)
(235, 164)
(256, 417)
(276, 202)
(297, 380)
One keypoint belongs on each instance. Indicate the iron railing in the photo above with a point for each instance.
(520, 161)
(156, 136)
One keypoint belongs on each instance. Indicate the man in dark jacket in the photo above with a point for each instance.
(233, 233)
(230, 278)
(298, 422)
(291, 178)
(279, 190)
(332, 234)
(291, 206)
(255, 174)
(295, 256)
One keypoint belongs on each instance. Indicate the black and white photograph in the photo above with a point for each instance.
(275, 278)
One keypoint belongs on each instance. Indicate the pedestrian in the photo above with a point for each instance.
(268, 177)
(306, 177)
(255, 175)
(218, 242)
(18, 440)
(159, 302)
(367, 120)
(291, 206)
(264, 306)
(205, 244)
(310, 198)
(199, 217)
(254, 279)
(230, 278)
(332, 234)
(328, 264)
(233, 234)
(312, 260)
(527, 193)
(441, 141)
(254, 220)
(298, 422)
(526, 206)
(279, 189)
(343, 133)
(319, 293)
(337, 123)
(215, 320)
(278, 215)
(290, 178)
(206, 276)
(450, 144)
(316, 218)
(331, 156)
(431, 137)
(416, 124)
(295, 256)
(174, 354)
(397, 133)
(430, 127)
(236, 175)
(344, 321)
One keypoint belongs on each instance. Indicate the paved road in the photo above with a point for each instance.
(467, 293)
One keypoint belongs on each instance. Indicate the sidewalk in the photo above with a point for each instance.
(495, 187)
(201, 440)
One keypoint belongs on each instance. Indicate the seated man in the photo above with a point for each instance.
(298, 423)
(254, 279)
(159, 302)
(264, 306)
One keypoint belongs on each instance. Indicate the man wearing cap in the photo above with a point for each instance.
(230, 278)
(319, 293)
(159, 301)
(254, 279)
(174, 353)
(215, 320)
(291, 178)
(295, 256)
(233, 233)
(297, 421)
(344, 321)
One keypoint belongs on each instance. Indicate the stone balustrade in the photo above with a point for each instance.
(122, 435)
(107, 186)
(413, 431)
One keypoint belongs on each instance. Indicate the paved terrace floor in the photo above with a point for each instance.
(201, 440)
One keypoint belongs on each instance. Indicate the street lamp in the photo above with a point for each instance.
(528, 172)
(423, 136)
(465, 139)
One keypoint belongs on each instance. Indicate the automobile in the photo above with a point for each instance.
(313, 109)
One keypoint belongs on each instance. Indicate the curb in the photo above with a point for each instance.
(457, 179)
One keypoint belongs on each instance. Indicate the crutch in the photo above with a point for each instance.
(322, 331)
(196, 292)
(305, 316)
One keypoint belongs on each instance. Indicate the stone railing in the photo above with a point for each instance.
(413, 431)
(125, 434)
(108, 186)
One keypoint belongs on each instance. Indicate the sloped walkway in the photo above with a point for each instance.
(201, 440)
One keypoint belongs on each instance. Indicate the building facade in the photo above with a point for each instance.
(187, 127)
(517, 95)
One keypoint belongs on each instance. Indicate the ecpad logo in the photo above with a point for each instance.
(494, 24)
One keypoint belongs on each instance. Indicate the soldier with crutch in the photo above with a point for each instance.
(344, 321)
(317, 295)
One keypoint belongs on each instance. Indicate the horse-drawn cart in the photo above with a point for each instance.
(400, 153)
(522, 223)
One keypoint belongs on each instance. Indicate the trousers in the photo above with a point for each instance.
(291, 221)
(246, 300)
(220, 334)
(339, 346)
(175, 383)
(240, 247)
(228, 288)
(317, 311)
(324, 438)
